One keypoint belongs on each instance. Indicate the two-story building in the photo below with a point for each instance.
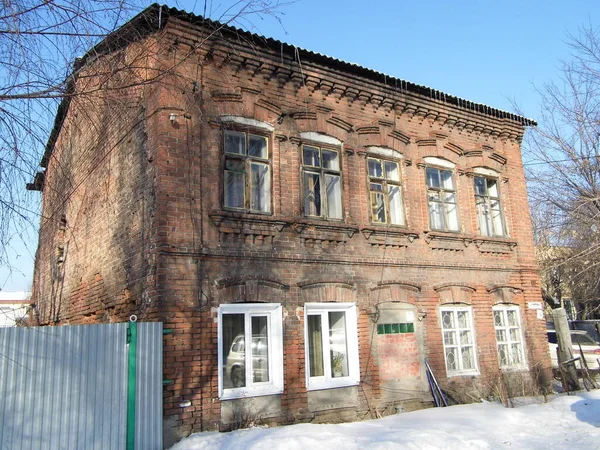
(313, 231)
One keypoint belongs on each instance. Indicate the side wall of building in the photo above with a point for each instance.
(94, 257)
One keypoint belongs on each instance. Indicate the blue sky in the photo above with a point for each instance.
(483, 51)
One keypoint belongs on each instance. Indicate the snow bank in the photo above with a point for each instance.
(571, 422)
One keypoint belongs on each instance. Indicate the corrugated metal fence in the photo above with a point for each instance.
(67, 387)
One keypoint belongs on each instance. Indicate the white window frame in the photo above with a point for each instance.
(460, 371)
(327, 381)
(275, 384)
(509, 341)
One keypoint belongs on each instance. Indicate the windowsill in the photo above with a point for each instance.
(470, 373)
(332, 384)
(514, 368)
(244, 212)
(232, 394)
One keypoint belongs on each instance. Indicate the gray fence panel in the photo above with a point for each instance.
(149, 388)
(66, 387)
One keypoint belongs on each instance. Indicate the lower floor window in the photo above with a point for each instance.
(331, 345)
(250, 350)
(509, 337)
(459, 341)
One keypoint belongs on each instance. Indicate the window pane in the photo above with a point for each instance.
(450, 337)
(498, 318)
(377, 207)
(465, 337)
(501, 335)
(503, 354)
(312, 194)
(337, 344)
(315, 346)
(257, 147)
(452, 217)
(396, 207)
(463, 319)
(468, 360)
(447, 319)
(446, 177)
(234, 356)
(492, 186)
(235, 142)
(260, 187)
(435, 215)
(451, 358)
(511, 314)
(375, 169)
(514, 335)
(432, 176)
(516, 354)
(311, 156)
(496, 218)
(260, 349)
(483, 217)
(391, 171)
(331, 160)
(479, 186)
(334, 196)
(234, 189)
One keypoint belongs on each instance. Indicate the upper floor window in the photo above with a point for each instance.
(322, 182)
(489, 209)
(509, 337)
(441, 196)
(247, 174)
(385, 192)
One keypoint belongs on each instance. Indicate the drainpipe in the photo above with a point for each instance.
(131, 381)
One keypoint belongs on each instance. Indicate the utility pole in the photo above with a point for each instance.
(566, 362)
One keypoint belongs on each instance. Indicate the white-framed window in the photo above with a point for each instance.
(441, 197)
(331, 342)
(247, 172)
(459, 340)
(489, 208)
(509, 336)
(385, 192)
(322, 179)
(250, 342)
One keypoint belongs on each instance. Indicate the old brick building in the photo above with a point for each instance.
(312, 231)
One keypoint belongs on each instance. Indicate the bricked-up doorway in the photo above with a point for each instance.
(400, 354)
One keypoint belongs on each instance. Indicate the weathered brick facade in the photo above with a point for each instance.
(135, 220)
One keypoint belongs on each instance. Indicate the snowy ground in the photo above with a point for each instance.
(565, 422)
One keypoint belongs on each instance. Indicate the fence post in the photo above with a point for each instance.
(131, 382)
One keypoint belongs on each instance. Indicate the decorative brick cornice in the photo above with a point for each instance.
(383, 238)
(447, 241)
(493, 246)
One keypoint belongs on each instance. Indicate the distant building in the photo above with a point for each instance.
(14, 308)
(312, 231)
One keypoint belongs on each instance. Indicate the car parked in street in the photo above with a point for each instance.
(590, 348)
